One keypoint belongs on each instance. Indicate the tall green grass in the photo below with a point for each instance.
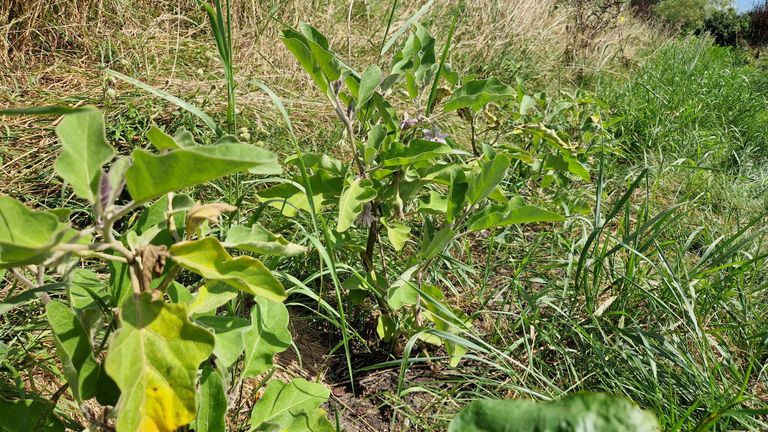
(694, 100)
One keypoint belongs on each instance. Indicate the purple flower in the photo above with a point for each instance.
(435, 135)
(407, 124)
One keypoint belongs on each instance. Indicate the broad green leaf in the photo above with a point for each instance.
(84, 150)
(397, 233)
(26, 236)
(352, 201)
(28, 415)
(291, 407)
(417, 150)
(526, 104)
(75, 351)
(228, 331)
(211, 296)
(289, 198)
(477, 93)
(161, 140)
(566, 162)
(208, 258)
(581, 412)
(152, 175)
(403, 292)
(438, 243)
(154, 358)
(297, 45)
(457, 196)
(369, 82)
(435, 203)
(484, 183)
(86, 289)
(257, 239)
(500, 216)
(211, 403)
(267, 336)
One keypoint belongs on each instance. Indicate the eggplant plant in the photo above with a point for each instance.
(404, 191)
(156, 353)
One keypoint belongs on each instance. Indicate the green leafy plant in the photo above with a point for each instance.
(581, 412)
(138, 339)
(407, 192)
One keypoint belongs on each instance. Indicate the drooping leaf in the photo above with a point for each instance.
(154, 359)
(26, 236)
(498, 216)
(84, 150)
(291, 407)
(369, 82)
(289, 197)
(484, 183)
(581, 412)
(257, 239)
(477, 93)
(208, 258)
(74, 349)
(211, 403)
(228, 331)
(28, 415)
(152, 175)
(352, 201)
(267, 336)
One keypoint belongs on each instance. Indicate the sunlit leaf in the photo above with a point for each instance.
(497, 216)
(292, 407)
(258, 240)
(267, 336)
(154, 359)
(208, 258)
(228, 331)
(84, 150)
(152, 175)
(26, 236)
(369, 82)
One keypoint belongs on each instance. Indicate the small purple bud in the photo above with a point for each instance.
(105, 191)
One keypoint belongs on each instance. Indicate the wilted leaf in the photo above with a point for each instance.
(206, 212)
(154, 359)
(208, 258)
(581, 412)
(84, 150)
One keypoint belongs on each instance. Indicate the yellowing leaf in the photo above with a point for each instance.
(154, 359)
(208, 258)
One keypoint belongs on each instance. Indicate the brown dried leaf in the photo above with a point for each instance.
(206, 212)
(152, 263)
